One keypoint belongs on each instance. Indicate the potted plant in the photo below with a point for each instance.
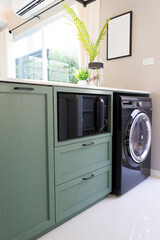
(82, 75)
(89, 46)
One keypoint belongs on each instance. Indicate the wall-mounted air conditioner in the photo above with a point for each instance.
(26, 8)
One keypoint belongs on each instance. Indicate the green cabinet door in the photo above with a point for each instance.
(26, 161)
(79, 193)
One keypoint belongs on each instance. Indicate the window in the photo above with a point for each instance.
(28, 56)
(49, 53)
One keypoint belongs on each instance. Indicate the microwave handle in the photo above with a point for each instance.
(100, 114)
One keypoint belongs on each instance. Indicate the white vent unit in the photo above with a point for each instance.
(26, 8)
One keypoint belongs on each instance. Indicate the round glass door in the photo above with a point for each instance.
(140, 138)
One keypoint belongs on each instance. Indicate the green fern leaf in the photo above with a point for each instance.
(102, 33)
(89, 46)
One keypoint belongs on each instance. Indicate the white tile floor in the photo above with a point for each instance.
(133, 216)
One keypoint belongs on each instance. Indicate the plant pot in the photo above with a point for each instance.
(82, 83)
(96, 74)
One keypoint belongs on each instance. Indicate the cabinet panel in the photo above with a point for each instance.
(80, 192)
(26, 161)
(74, 160)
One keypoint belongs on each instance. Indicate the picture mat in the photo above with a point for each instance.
(119, 36)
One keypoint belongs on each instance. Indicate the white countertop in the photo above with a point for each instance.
(50, 83)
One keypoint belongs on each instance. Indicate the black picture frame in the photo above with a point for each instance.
(119, 36)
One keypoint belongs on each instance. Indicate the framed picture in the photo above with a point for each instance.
(119, 37)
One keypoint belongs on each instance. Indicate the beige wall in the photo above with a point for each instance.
(129, 72)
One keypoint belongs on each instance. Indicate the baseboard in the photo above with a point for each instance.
(155, 173)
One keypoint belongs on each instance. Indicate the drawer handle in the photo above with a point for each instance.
(23, 88)
(92, 175)
(89, 144)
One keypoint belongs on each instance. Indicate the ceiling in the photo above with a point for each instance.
(5, 5)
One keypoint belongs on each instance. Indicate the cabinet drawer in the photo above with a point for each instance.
(77, 159)
(80, 192)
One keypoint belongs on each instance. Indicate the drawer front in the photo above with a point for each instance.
(77, 159)
(80, 192)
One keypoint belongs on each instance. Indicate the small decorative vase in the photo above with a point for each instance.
(96, 74)
(82, 83)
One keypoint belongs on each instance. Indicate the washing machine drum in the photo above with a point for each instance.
(139, 137)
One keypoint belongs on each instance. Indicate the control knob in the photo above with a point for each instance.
(139, 104)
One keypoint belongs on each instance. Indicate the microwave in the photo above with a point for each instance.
(81, 115)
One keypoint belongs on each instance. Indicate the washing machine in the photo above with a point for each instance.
(131, 142)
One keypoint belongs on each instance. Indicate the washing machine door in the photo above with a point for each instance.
(139, 137)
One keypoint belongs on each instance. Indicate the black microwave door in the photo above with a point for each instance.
(62, 118)
(74, 118)
(89, 115)
(70, 122)
(81, 115)
(100, 111)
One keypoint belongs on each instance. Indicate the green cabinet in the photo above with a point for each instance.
(80, 192)
(44, 182)
(26, 161)
(83, 166)
(74, 160)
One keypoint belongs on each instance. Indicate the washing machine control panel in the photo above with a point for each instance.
(137, 103)
(143, 104)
